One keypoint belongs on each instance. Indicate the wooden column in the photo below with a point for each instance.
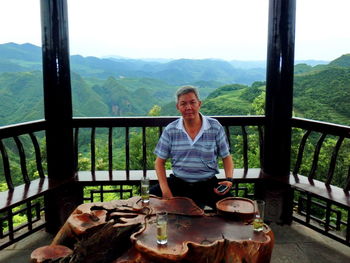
(279, 106)
(58, 111)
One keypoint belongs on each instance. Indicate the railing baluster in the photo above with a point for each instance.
(228, 135)
(127, 153)
(144, 152)
(6, 164)
(76, 149)
(301, 152)
(10, 224)
(29, 215)
(348, 228)
(37, 155)
(333, 161)
(110, 151)
(308, 208)
(316, 155)
(101, 193)
(347, 184)
(22, 158)
(93, 153)
(245, 149)
(261, 145)
(328, 216)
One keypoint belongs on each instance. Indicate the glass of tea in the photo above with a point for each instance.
(258, 223)
(145, 190)
(162, 228)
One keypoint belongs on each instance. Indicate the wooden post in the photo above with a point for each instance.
(58, 111)
(279, 106)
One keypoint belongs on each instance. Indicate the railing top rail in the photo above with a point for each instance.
(22, 128)
(155, 121)
(320, 126)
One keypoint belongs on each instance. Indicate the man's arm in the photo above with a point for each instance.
(162, 180)
(228, 167)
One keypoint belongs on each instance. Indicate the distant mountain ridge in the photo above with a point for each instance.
(27, 57)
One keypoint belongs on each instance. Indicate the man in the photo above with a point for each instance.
(193, 143)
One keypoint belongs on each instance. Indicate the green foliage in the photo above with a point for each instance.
(21, 97)
(226, 101)
(342, 61)
(258, 105)
(302, 68)
(324, 95)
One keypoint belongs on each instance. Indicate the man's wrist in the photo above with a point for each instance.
(230, 179)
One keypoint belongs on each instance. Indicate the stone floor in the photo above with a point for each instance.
(294, 244)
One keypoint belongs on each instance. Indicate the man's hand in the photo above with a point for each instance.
(161, 174)
(167, 194)
(227, 183)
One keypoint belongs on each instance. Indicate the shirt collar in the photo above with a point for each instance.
(205, 123)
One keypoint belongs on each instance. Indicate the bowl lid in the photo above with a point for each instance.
(236, 205)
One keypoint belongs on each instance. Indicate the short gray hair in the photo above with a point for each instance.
(185, 90)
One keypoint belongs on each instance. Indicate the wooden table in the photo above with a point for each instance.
(125, 231)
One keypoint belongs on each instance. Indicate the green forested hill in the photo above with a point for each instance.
(343, 61)
(320, 93)
(228, 100)
(323, 95)
(21, 97)
(102, 87)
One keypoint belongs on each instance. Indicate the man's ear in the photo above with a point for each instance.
(177, 106)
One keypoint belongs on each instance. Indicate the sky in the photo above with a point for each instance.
(197, 29)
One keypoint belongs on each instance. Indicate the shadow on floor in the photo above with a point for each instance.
(299, 244)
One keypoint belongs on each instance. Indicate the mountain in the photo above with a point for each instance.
(26, 52)
(27, 57)
(343, 61)
(129, 87)
(21, 97)
(321, 93)
(19, 58)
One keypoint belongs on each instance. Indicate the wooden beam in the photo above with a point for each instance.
(279, 106)
(58, 108)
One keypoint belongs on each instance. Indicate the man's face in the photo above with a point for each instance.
(188, 105)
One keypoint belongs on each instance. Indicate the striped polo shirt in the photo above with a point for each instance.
(193, 160)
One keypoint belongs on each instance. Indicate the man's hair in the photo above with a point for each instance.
(185, 90)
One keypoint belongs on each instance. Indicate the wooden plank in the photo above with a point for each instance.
(320, 189)
(120, 176)
(25, 192)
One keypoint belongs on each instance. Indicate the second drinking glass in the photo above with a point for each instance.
(145, 190)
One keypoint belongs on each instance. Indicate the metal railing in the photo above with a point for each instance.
(22, 181)
(322, 177)
(119, 140)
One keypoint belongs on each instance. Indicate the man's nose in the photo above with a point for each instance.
(188, 106)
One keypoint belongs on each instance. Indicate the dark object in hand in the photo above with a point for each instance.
(222, 188)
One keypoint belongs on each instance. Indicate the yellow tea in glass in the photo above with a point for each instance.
(162, 228)
(145, 190)
(258, 223)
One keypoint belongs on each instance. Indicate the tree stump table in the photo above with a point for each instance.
(125, 231)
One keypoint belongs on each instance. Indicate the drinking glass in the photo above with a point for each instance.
(258, 223)
(145, 190)
(162, 228)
